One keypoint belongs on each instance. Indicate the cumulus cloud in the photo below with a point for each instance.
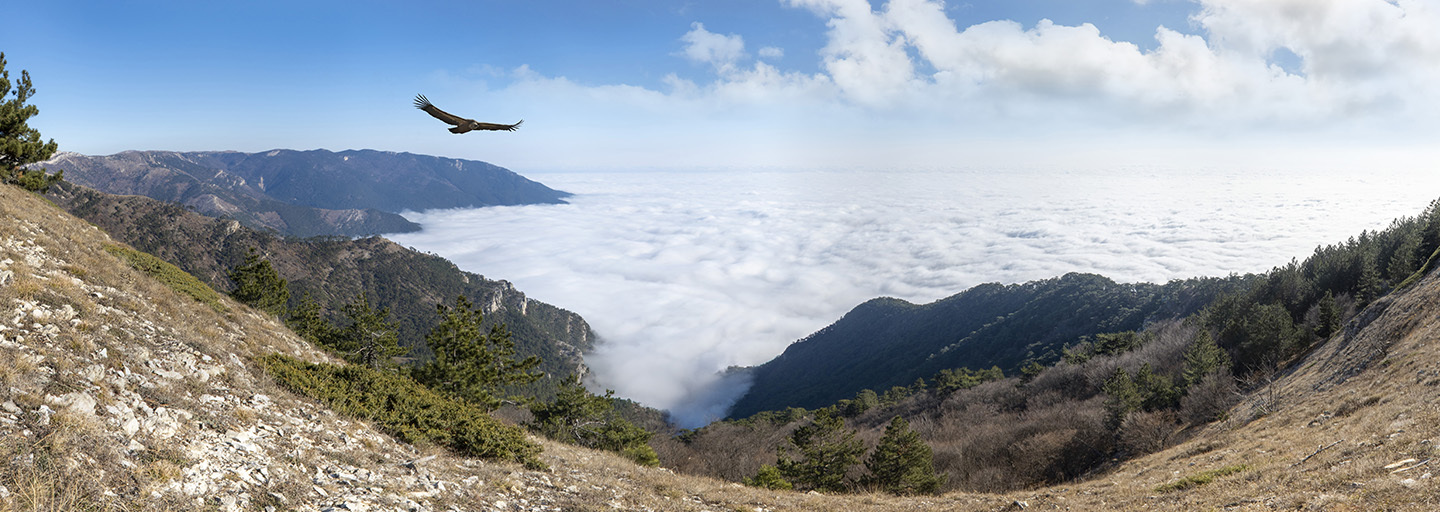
(1355, 54)
(686, 274)
(772, 52)
(902, 83)
(719, 50)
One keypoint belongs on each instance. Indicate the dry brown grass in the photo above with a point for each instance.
(67, 467)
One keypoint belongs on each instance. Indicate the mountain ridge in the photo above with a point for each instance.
(306, 193)
(887, 342)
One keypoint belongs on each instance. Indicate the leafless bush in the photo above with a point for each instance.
(724, 450)
(1147, 432)
(1008, 450)
(1070, 380)
(1209, 399)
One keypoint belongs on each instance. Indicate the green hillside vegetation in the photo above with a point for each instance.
(579, 417)
(168, 274)
(405, 409)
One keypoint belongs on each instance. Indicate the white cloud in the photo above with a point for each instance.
(772, 52)
(865, 57)
(1355, 53)
(719, 50)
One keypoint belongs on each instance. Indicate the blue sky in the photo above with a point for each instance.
(746, 83)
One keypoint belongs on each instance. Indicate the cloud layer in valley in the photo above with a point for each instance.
(686, 274)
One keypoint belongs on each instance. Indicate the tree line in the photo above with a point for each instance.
(470, 363)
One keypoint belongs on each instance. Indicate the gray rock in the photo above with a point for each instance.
(78, 402)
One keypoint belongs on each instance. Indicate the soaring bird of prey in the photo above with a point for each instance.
(462, 125)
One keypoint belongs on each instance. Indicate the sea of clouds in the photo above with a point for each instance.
(683, 274)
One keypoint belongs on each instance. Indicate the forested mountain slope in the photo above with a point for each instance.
(889, 342)
(333, 271)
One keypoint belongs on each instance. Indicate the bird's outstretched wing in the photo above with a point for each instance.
(462, 125)
(498, 127)
(424, 104)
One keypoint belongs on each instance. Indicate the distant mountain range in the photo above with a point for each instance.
(306, 193)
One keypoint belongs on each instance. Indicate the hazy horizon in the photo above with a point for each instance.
(685, 274)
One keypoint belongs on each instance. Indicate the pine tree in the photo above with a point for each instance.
(1370, 287)
(1157, 390)
(1202, 358)
(1329, 316)
(306, 321)
(470, 364)
(259, 285)
(768, 478)
(864, 400)
(902, 463)
(1030, 370)
(1122, 396)
(1404, 260)
(580, 417)
(372, 338)
(20, 145)
(818, 455)
(1271, 336)
(1117, 342)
